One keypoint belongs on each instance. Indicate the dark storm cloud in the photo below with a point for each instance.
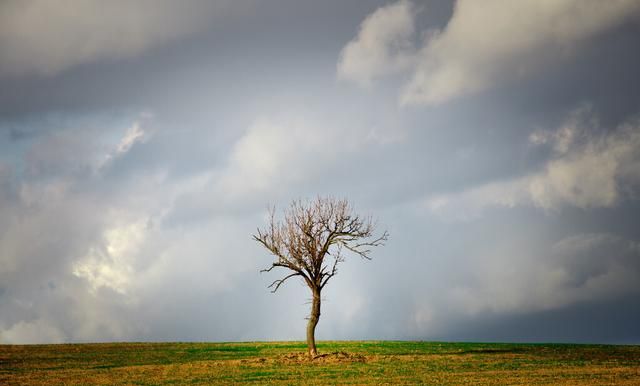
(132, 177)
(588, 322)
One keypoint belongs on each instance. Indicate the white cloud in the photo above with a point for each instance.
(383, 45)
(497, 40)
(81, 252)
(111, 263)
(134, 134)
(46, 37)
(586, 170)
(277, 153)
(272, 152)
(483, 44)
(69, 252)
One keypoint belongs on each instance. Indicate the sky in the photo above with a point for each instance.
(142, 143)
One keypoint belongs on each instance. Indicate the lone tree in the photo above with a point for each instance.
(309, 242)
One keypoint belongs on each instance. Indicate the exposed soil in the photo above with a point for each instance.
(334, 357)
(292, 358)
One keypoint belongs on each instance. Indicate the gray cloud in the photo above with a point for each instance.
(129, 188)
(383, 45)
(588, 169)
(481, 46)
(46, 37)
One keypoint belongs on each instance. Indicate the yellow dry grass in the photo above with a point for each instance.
(352, 363)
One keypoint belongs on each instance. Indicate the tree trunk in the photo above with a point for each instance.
(313, 322)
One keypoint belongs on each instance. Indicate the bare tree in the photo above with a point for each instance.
(309, 242)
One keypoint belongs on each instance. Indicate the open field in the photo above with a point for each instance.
(357, 362)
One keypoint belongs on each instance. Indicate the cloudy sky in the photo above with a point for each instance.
(142, 141)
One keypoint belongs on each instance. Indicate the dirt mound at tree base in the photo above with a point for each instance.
(291, 358)
(334, 357)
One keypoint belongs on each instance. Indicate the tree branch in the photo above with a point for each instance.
(278, 283)
(309, 232)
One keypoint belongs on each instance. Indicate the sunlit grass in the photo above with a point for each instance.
(389, 362)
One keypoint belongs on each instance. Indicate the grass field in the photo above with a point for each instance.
(370, 362)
